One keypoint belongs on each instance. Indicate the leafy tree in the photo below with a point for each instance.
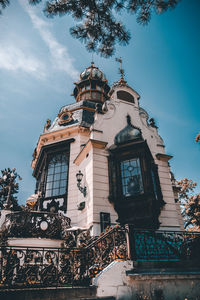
(98, 24)
(190, 204)
(8, 187)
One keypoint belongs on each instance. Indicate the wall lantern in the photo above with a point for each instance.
(79, 177)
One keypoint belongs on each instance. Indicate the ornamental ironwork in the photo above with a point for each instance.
(36, 224)
(149, 245)
(68, 266)
(82, 257)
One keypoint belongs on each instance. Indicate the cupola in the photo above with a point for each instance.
(128, 134)
(92, 85)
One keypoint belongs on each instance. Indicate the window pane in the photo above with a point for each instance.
(56, 184)
(48, 193)
(50, 177)
(63, 176)
(131, 177)
(56, 181)
(62, 190)
(57, 176)
(57, 169)
(55, 192)
(64, 168)
(49, 185)
(50, 170)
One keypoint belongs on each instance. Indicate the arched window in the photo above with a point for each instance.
(123, 95)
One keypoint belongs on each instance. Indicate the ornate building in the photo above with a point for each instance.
(102, 161)
(104, 216)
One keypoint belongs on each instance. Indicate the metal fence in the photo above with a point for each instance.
(34, 266)
(69, 266)
(148, 245)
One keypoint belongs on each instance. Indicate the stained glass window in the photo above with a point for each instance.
(57, 173)
(131, 177)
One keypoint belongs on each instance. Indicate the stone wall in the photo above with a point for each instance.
(58, 293)
(114, 281)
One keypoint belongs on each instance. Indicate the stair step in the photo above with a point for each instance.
(100, 298)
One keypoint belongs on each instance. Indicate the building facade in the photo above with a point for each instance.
(102, 161)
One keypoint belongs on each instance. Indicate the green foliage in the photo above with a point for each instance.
(190, 204)
(8, 188)
(3, 4)
(99, 27)
(98, 24)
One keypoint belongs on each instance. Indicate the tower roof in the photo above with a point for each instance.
(128, 134)
(92, 72)
(92, 85)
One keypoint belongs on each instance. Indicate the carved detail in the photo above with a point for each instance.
(65, 117)
(28, 224)
(47, 125)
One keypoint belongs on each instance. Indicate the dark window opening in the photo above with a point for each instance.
(93, 85)
(105, 220)
(125, 96)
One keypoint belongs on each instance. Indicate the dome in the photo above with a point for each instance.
(92, 72)
(92, 86)
(128, 134)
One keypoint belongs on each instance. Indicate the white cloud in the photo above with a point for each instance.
(61, 59)
(13, 58)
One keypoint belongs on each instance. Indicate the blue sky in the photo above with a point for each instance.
(39, 61)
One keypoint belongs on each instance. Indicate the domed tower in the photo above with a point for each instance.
(101, 163)
(92, 86)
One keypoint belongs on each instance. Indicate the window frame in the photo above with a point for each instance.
(49, 157)
(127, 206)
(41, 171)
(121, 178)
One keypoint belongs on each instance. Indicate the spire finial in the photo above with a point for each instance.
(92, 62)
(121, 71)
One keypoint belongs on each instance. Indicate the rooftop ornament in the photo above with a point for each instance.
(121, 71)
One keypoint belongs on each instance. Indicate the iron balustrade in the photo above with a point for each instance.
(36, 224)
(149, 245)
(110, 246)
(34, 266)
(69, 266)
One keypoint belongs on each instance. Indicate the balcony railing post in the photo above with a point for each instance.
(130, 237)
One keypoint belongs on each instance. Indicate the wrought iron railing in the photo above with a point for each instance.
(107, 248)
(68, 266)
(148, 245)
(25, 267)
(36, 224)
(32, 267)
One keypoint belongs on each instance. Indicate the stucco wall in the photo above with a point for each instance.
(113, 281)
(94, 164)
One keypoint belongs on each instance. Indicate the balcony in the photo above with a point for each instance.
(33, 224)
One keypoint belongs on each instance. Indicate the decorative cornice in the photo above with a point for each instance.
(50, 138)
(86, 149)
(163, 157)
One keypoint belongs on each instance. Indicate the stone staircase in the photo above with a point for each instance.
(59, 293)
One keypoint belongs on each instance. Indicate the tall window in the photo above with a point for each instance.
(57, 173)
(131, 177)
